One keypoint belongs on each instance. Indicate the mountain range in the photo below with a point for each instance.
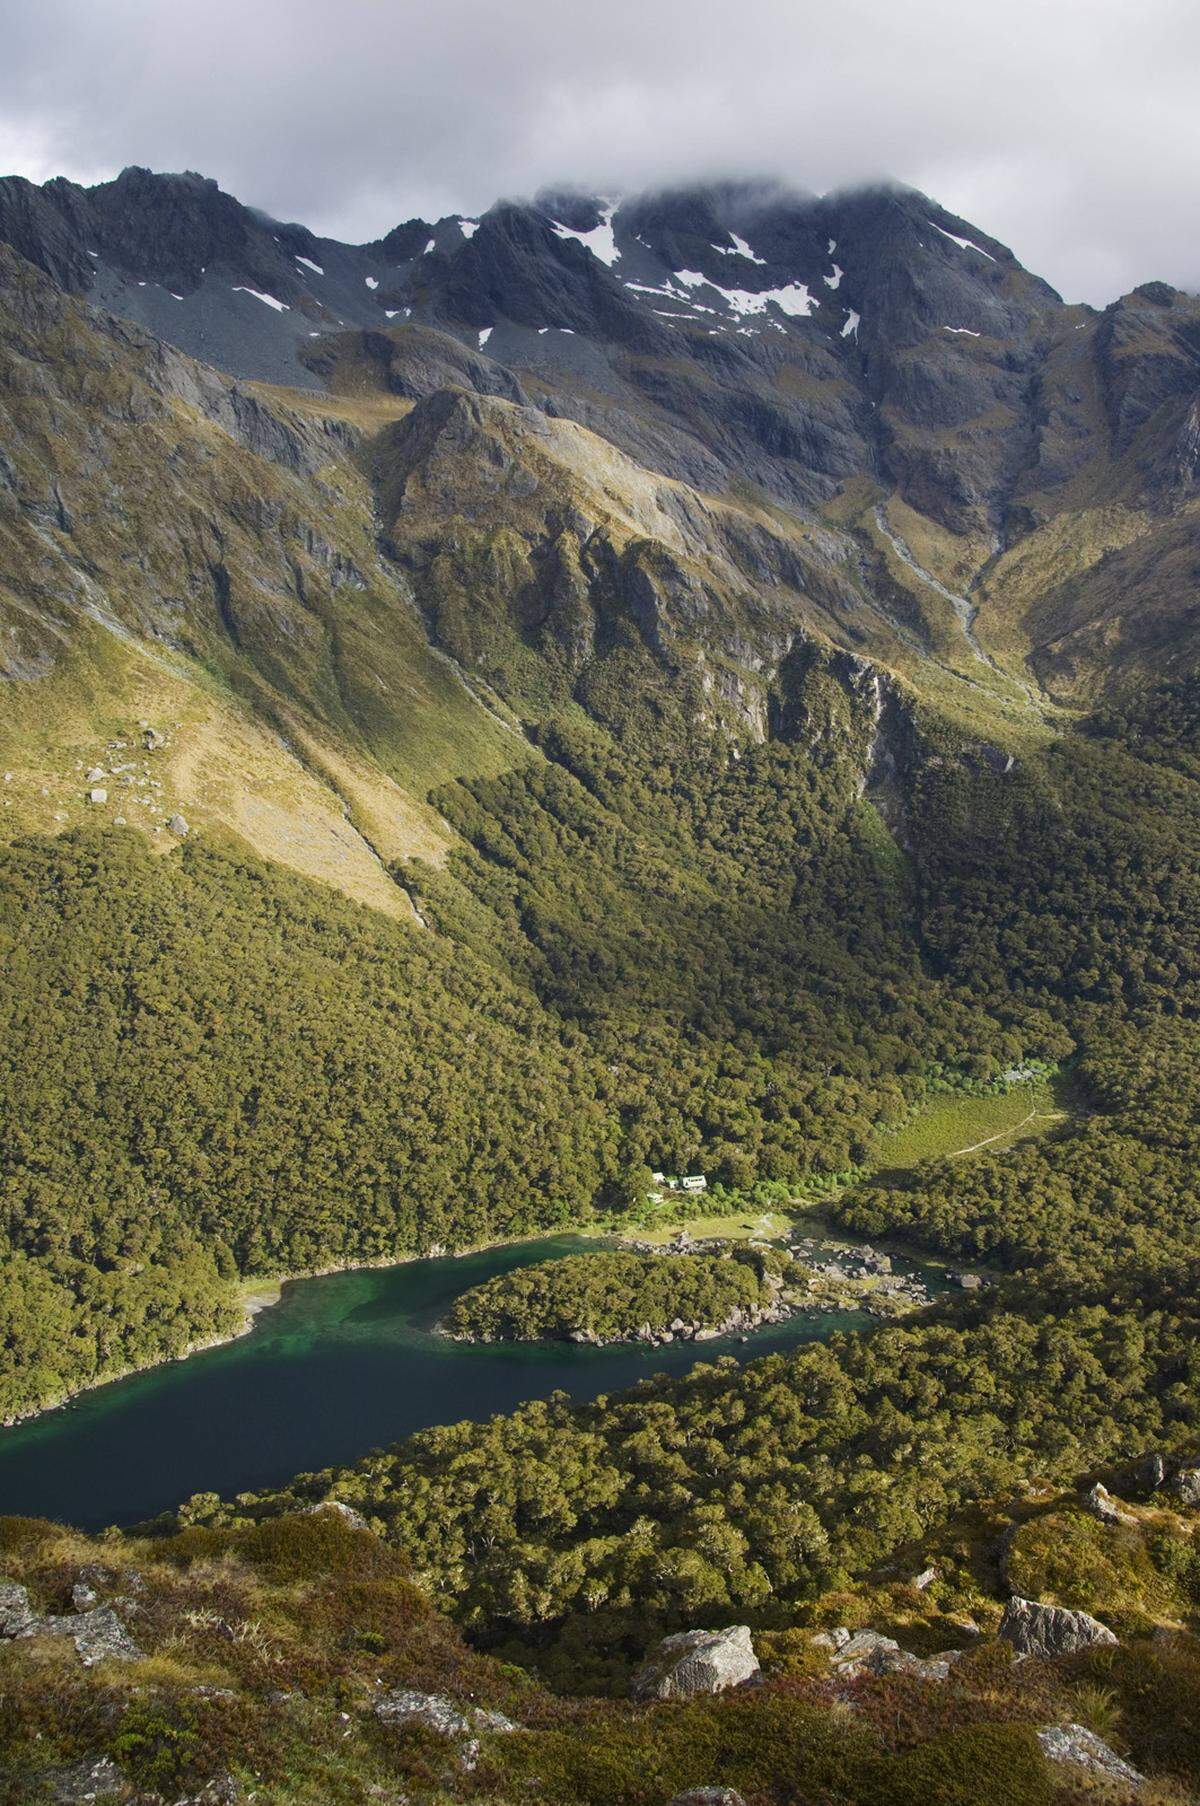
(690, 684)
(733, 423)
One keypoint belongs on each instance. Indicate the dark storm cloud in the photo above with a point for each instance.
(1069, 128)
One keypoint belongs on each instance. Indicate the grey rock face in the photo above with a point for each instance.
(464, 1725)
(99, 1636)
(1050, 1630)
(1075, 1743)
(863, 1646)
(697, 1661)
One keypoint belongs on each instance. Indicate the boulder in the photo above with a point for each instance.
(1049, 1630)
(98, 794)
(98, 1635)
(1150, 1473)
(1075, 1743)
(832, 1639)
(1101, 1504)
(697, 1661)
(869, 1652)
(1186, 1486)
(863, 1644)
(178, 825)
(463, 1725)
(353, 1519)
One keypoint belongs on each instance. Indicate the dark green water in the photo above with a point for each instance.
(341, 1365)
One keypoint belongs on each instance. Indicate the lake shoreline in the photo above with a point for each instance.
(257, 1296)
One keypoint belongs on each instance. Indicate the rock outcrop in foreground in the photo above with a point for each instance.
(1050, 1630)
(698, 1661)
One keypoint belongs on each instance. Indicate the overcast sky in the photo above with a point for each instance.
(1068, 128)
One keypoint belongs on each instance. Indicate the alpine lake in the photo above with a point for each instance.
(342, 1364)
(353, 1361)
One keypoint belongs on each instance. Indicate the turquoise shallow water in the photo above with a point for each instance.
(341, 1365)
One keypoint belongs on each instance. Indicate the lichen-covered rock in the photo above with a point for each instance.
(1150, 1473)
(79, 1783)
(697, 1661)
(709, 1796)
(1186, 1486)
(861, 1646)
(1049, 1630)
(222, 1790)
(1075, 1743)
(463, 1725)
(869, 1652)
(354, 1519)
(832, 1639)
(15, 1609)
(1101, 1504)
(98, 1634)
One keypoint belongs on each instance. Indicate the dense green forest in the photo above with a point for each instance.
(613, 1296)
(210, 1069)
(751, 1489)
(647, 952)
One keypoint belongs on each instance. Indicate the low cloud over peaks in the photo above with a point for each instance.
(1067, 129)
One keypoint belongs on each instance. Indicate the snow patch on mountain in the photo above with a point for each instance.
(794, 299)
(964, 242)
(600, 240)
(280, 307)
(739, 248)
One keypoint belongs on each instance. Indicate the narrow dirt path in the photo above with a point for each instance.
(1049, 1115)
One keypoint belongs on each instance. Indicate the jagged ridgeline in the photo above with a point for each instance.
(533, 700)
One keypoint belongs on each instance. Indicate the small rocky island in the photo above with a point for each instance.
(687, 1291)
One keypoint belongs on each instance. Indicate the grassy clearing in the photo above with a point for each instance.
(947, 1128)
(742, 1226)
(955, 1126)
